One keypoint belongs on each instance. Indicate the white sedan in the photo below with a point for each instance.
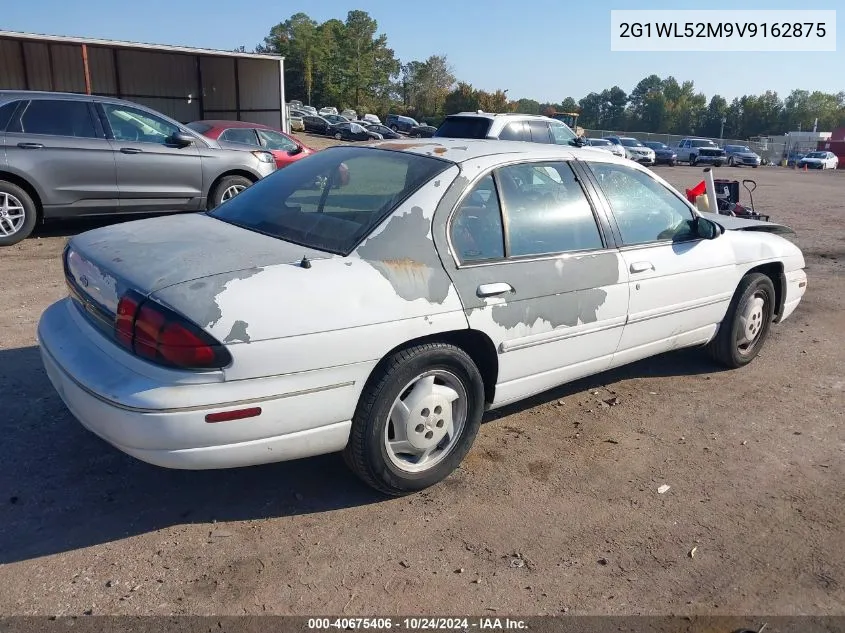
(378, 300)
(819, 160)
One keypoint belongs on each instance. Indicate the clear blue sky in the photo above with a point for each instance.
(542, 49)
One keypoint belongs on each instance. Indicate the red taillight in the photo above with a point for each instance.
(124, 320)
(164, 337)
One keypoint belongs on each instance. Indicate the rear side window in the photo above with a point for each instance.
(243, 135)
(6, 112)
(540, 132)
(546, 211)
(464, 127)
(477, 233)
(515, 131)
(57, 118)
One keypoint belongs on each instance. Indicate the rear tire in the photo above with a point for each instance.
(745, 328)
(403, 412)
(18, 214)
(227, 188)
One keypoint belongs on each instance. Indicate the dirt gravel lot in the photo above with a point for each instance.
(555, 510)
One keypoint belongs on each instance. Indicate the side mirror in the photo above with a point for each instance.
(707, 229)
(296, 150)
(181, 139)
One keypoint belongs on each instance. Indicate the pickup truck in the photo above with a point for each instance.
(700, 150)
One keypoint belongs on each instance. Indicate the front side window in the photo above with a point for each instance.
(274, 141)
(129, 124)
(57, 118)
(243, 135)
(332, 199)
(477, 224)
(546, 211)
(561, 134)
(645, 210)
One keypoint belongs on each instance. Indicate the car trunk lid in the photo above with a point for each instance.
(152, 254)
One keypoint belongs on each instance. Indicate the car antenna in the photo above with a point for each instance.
(305, 262)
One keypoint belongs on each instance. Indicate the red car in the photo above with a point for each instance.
(285, 148)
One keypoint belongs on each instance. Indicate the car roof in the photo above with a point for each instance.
(460, 150)
(223, 123)
(496, 115)
(66, 96)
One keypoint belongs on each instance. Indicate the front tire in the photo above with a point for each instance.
(338, 136)
(693, 160)
(18, 214)
(745, 328)
(731, 162)
(227, 188)
(416, 420)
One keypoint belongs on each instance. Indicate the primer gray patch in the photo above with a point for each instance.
(238, 333)
(567, 309)
(404, 255)
(198, 301)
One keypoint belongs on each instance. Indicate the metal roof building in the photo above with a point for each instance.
(186, 84)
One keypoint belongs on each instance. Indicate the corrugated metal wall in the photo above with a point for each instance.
(167, 82)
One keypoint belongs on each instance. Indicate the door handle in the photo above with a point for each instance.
(130, 150)
(30, 145)
(491, 290)
(641, 267)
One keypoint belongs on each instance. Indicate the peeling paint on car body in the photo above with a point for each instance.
(238, 333)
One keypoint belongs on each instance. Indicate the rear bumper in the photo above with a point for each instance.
(163, 423)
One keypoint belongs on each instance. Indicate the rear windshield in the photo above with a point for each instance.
(464, 127)
(330, 200)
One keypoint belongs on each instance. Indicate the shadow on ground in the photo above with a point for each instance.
(65, 489)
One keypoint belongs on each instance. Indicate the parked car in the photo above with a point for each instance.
(352, 131)
(316, 124)
(325, 111)
(295, 103)
(415, 311)
(382, 129)
(634, 149)
(285, 148)
(663, 154)
(741, 155)
(793, 158)
(422, 131)
(334, 119)
(508, 126)
(349, 114)
(297, 124)
(700, 150)
(309, 110)
(399, 123)
(819, 160)
(371, 118)
(70, 155)
(604, 144)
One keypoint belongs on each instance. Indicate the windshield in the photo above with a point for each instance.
(656, 145)
(330, 200)
(703, 143)
(816, 155)
(630, 142)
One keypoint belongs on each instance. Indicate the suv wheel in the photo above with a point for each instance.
(394, 127)
(228, 188)
(693, 160)
(17, 214)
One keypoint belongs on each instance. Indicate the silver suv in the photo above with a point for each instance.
(509, 126)
(67, 155)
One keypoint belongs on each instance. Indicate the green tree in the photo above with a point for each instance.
(464, 98)
(527, 106)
